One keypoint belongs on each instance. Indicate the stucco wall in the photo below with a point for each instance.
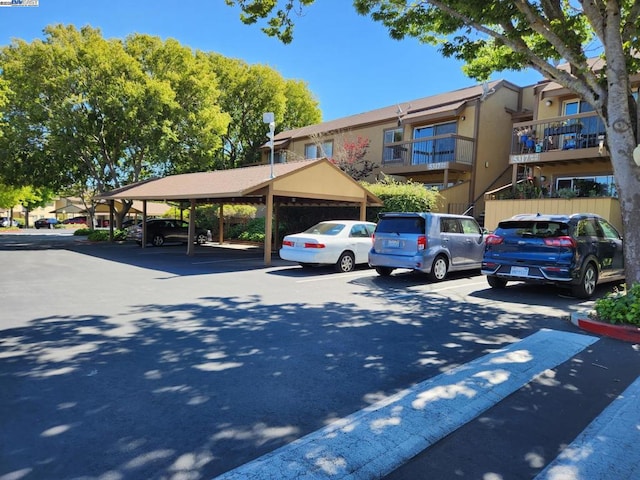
(495, 126)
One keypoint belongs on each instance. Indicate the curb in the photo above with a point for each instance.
(627, 333)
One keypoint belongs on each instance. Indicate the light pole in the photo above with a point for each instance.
(269, 118)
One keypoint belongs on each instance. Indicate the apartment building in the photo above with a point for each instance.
(492, 150)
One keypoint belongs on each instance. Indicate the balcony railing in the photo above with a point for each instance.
(584, 130)
(432, 152)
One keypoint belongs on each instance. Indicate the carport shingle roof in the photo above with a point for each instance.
(249, 185)
(235, 182)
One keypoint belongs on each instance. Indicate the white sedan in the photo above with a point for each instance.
(343, 243)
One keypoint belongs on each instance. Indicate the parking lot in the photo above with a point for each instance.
(122, 362)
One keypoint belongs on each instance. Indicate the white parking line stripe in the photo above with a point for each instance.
(607, 448)
(376, 440)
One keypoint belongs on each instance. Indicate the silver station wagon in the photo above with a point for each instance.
(432, 243)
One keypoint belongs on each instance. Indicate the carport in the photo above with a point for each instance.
(303, 183)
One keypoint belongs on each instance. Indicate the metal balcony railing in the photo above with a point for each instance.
(584, 130)
(434, 152)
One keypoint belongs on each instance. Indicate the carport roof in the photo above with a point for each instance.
(308, 181)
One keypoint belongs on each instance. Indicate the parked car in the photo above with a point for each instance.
(166, 230)
(343, 243)
(8, 222)
(45, 223)
(576, 251)
(432, 243)
(75, 221)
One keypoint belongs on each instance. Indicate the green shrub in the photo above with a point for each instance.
(620, 307)
(103, 235)
(253, 231)
(403, 196)
(82, 232)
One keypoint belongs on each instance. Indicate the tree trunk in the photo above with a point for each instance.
(621, 140)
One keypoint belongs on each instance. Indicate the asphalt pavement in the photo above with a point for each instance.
(123, 362)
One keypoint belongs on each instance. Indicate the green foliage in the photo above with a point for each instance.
(291, 102)
(103, 235)
(620, 307)
(403, 197)
(83, 232)
(566, 193)
(252, 232)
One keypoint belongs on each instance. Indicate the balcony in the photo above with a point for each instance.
(562, 138)
(442, 152)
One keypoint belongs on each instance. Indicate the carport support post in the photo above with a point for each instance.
(112, 206)
(268, 227)
(144, 224)
(363, 209)
(192, 228)
(221, 224)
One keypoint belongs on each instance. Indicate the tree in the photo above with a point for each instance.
(88, 115)
(497, 35)
(248, 91)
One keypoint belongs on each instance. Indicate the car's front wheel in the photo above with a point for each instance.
(157, 240)
(346, 262)
(496, 282)
(439, 269)
(588, 282)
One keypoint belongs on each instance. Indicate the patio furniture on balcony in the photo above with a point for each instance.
(564, 136)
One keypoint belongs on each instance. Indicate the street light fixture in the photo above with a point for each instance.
(269, 118)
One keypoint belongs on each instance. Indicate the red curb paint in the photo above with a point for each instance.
(627, 333)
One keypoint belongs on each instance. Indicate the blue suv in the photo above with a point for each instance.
(576, 251)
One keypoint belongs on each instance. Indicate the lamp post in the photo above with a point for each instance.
(269, 118)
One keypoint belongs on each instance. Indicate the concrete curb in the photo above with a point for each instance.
(627, 333)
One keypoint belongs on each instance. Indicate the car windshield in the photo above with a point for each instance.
(325, 229)
(536, 229)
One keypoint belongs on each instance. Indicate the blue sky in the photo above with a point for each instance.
(348, 61)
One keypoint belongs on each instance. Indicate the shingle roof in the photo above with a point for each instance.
(421, 106)
(235, 185)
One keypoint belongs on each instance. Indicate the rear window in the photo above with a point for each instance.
(535, 229)
(413, 225)
(325, 229)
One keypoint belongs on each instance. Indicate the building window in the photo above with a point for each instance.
(574, 107)
(393, 153)
(319, 150)
(280, 156)
(589, 186)
(433, 149)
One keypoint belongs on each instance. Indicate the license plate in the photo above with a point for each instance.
(520, 271)
(393, 243)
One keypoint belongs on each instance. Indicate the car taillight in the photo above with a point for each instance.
(494, 239)
(422, 242)
(287, 243)
(560, 242)
(314, 245)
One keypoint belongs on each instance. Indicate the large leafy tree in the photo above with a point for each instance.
(249, 91)
(497, 35)
(87, 114)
